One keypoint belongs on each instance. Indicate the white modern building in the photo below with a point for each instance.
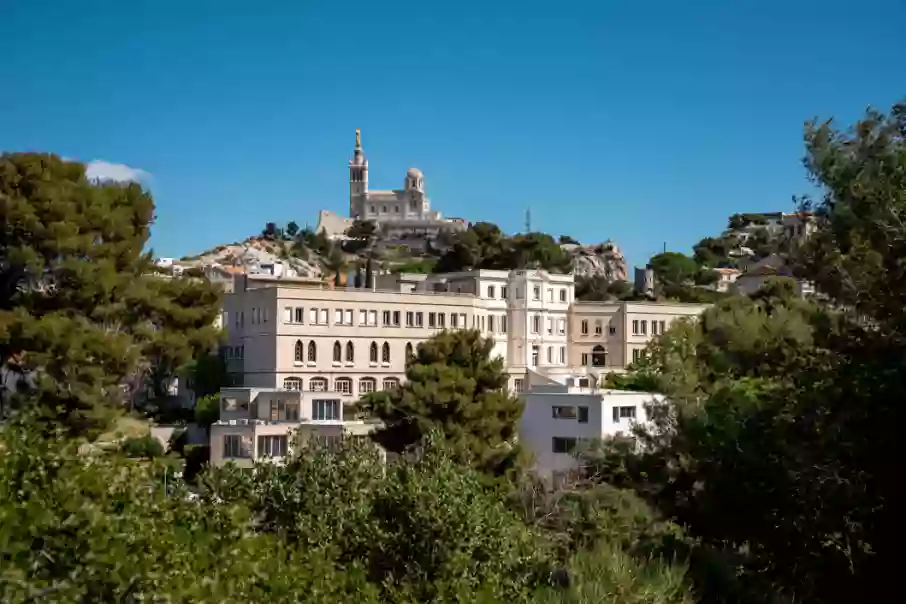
(561, 414)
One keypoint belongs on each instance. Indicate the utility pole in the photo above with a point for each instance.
(528, 220)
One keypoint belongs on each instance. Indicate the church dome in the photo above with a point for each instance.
(414, 179)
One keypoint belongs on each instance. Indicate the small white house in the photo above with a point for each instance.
(557, 417)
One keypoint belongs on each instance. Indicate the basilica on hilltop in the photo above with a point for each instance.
(398, 213)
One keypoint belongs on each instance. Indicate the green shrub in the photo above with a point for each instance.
(142, 447)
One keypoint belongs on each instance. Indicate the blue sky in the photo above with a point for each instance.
(644, 121)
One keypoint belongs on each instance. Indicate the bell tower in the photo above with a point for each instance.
(358, 179)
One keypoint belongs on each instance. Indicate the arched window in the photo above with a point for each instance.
(317, 384)
(292, 383)
(343, 384)
(350, 352)
(312, 352)
(373, 353)
(299, 352)
(598, 356)
(367, 384)
(385, 353)
(390, 383)
(409, 352)
(337, 352)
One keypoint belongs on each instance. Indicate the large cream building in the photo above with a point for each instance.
(323, 348)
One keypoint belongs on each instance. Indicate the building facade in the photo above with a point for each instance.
(558, 417)
(299, 334)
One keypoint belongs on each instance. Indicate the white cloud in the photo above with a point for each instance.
(105, 170)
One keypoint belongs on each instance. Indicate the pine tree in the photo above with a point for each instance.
(453, 384)
(82, 308)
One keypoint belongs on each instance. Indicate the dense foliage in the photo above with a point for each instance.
(454, 384)
(483, 245)
(777, 450)
(80, 299)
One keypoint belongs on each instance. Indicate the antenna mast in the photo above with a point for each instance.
(528, 220)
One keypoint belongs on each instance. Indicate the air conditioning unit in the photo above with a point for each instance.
(570, 382)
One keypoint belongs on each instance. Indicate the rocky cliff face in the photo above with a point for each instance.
(598, 260)
(255, 255)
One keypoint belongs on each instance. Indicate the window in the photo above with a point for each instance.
(300, 315)
(299, 352)
(462, 319)
(621, 413)
(338, 317)
(235, 446)
(534, 356)
(612, 330)
(337, 352)
(563, 412)
(583, 415)
(373, 353)
(585, 359)
(584, 327)
(599, 328)
(561, 326)
(343, 385)
(563, 355)
(419, 319)
(322, 317)
(491, 291)
(440, 320)
(598, 356)
(312, 352)
(396, 318)
(288, 315)
(550, 295)
(325, 410)
(390, 383)
(410, 319)
(350, 352)
(583, 382)
(272, 446)
(409, 352)
(563, 445)
(536, 324)
(536, 293)
(636, 354)
(550, 326)
(490, 323)
(550, 355)
(313, 316)
(502, 323)
(563, 295)
(654, 328)
(503, 292)
(292, 383)
(386, 318)
(385, 353)
(635, 328)
(281, 410)
(519, 385)
(644, 326)
(663, 326)
(363, 317)
(367, 384)
(318, 384)
(432, 319)
(453, 322)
